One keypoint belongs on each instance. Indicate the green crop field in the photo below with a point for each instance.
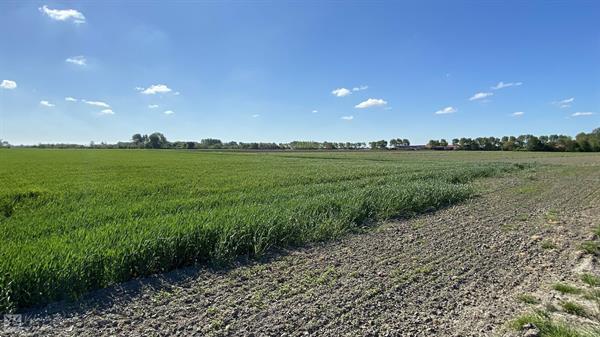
(76, 220)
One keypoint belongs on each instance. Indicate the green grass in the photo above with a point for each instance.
(547, 244)
(597, 230)
(528, 299)
(574, 308)
(566, 288)
(552, 328)
(591, 280)
(591, 247)
(76, 220)
(593, 295)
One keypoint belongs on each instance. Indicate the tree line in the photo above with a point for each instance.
(583, 142)
(158, 141)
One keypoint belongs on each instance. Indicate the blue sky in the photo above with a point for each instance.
(269, 71)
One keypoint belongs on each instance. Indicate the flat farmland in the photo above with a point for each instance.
(77, 220)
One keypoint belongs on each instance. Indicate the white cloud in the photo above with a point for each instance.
(480, 95)
(70, 99)
(153, 106)
(502, 85)
(107, 112)
(371, 102)
(565, 103)
(362, 87)
(315, 111)
(78, 60)
(341, 92)
(8, 84)
(96, 103)
(46, 103)
(255, 116)
(169, 112)
(518, 113)
(578, 114)
(446, 110)
(155, 89)
(63, 14)
(347, 118)
(176, 93)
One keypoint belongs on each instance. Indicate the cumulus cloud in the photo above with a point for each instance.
(155, 89)
(347, 118)
(153, 106)
(446, 110)
(480, 95)
(362, 87)
(315, 111)
(46, 103)
(565, 103)
(255, 115)
(63, 14)
(97, 103)
(70, 99)
(371, 102)
(518, 113)
(169, 112)
(502, 85)
(8, 84)
(107, 112)
(78, 60)
(341, 92)
(578, 114)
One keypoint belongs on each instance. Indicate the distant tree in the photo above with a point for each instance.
(405, 142)
(443, 142)
(508, 143)
(433, 143)
(157, 140)
(533, 143)
(211, 143)
(378, 145)
(137, 139)
(231, 145)
(328, 146)
(583, 142)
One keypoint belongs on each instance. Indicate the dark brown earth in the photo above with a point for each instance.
(454, 272)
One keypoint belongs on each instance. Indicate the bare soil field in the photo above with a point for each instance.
(467, 270)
